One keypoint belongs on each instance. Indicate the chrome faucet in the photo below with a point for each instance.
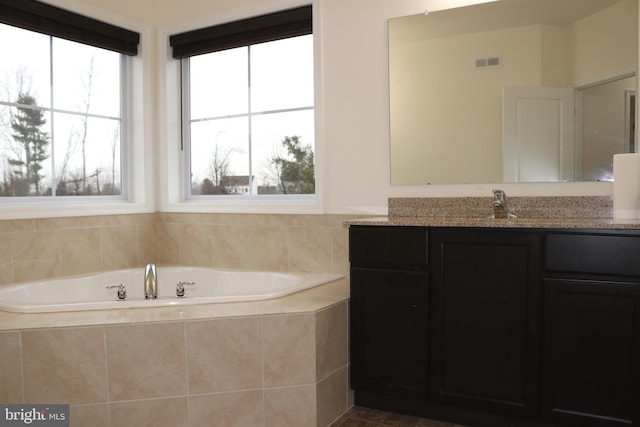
(150, 282)
(500, 208)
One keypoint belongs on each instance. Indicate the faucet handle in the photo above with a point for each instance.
(499, 196)
(122, 291)
(180, 292)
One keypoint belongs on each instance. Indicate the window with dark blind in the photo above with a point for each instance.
(63, 116)
(248, 106)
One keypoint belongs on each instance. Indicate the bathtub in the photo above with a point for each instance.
(201, 286)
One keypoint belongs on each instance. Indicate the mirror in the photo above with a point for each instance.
(513, 91)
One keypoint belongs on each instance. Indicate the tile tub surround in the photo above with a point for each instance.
(34, 249)
(271, 363)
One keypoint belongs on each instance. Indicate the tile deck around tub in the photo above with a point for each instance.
(310, 300)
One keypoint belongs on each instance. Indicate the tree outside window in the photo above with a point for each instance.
(60, 117)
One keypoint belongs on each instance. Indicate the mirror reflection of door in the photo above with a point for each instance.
(606, 124)
(538, 134)
(539, 143)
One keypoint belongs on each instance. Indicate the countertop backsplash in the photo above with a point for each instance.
(523, 207)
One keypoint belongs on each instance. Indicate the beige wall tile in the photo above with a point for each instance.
(270, 220)
(119, 247)
(198, 244)
(80, 251)
(290, 406)
(228, 247)
(310, 249)
(227, 409)
(151, 413)
(89, 415)
(251, 247)
(10, 368)
(36, 255)
(27, 271)
(148, 248)
(289, 349)
(224, 354)
(340, 250)
(332, 341)
(17, 225)
(169, 244)
(333, 397)
(64, 365)
(6, 256)
(6, 274)
(47, 224)
(52, 247)
(146, 360)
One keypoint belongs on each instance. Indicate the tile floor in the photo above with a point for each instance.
(365, 417)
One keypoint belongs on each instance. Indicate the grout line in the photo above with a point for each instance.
(264, 406)
(106, 373)
(186, 372)
(24, 392)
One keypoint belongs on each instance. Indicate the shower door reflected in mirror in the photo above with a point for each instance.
(606, 125)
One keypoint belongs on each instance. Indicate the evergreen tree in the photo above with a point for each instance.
(297, 173)
(26, 125)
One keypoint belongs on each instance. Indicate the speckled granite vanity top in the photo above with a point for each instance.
(531, 212)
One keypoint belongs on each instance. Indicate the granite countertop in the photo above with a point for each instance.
(594, 212)
(592, 223)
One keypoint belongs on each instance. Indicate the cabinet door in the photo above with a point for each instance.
(591, 352)
(485, 322)
(389, 332)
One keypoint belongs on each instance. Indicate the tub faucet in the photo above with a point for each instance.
(500, 208)
(150, 282)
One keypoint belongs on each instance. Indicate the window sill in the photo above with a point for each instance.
(260, 205)
(39, 209)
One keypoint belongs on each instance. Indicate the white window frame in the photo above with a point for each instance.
(137, 178)
(172, 179)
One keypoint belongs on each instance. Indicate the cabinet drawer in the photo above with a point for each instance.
(379, 246)
(593, 253)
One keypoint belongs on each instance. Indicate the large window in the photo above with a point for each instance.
(248, 107)
(63, 116)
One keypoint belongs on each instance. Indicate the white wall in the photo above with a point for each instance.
(355, 92)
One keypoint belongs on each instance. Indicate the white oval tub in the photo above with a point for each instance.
(206, 285)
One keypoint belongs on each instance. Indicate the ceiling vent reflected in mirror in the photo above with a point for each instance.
(488, 62)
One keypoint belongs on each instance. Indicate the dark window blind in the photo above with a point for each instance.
(259, 29)
(47, 19)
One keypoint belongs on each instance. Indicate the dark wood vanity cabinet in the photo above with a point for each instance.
(497, 327)
(388, 306)
(485, 319)
(591, 329)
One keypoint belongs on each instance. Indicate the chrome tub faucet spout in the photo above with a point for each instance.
(150, 282)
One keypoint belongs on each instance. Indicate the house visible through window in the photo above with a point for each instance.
(248, 106)
(62, 120)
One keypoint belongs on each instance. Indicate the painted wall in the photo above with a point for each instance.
(354, 50)
(464, 126)
(601, 33)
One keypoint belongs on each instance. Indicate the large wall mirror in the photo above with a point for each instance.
(513, 91)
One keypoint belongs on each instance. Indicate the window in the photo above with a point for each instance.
(63, 115)
(248, 107)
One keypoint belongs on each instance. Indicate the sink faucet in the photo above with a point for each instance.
(500, 209)
(150, 282)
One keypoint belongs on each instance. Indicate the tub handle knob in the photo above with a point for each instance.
(122, 291)
(180, 292)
